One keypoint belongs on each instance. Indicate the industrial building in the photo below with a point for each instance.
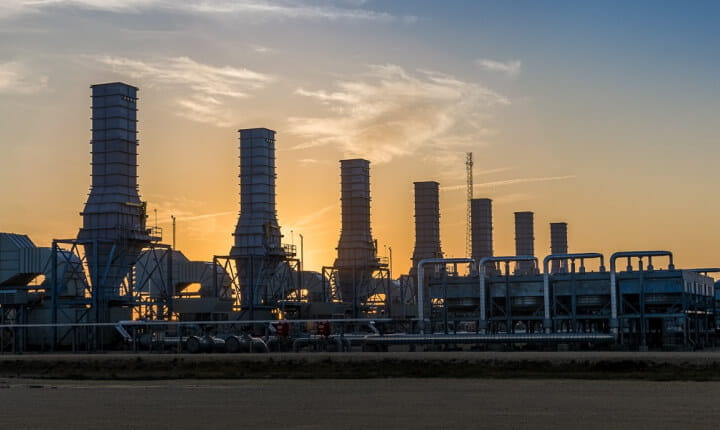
(117, 286)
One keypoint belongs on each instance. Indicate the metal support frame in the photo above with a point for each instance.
(421, 276)
(482, 323)
(547, 323)
(373, 280)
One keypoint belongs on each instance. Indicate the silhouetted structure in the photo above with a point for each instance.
(427, 222)
(257, 251)
(558, 245)
(113, 231)
(524, 240)
(482, 229)
(357, 257)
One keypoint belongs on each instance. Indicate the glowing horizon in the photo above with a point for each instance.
(606, 124)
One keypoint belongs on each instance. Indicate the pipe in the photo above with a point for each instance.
(613, 281)
(421, 276)
(546, 278)
(408, 339)
(706, 270)
(481, 269)
(258, 345)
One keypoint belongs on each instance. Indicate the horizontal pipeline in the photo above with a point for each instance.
(489, 338)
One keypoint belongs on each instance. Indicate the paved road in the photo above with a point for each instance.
(359, 404)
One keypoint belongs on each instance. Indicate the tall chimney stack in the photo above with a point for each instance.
(356, 258)
(427, 222)
(524, 241)
(482, 229)
(558, 245)
(113, 231)
(257, 249)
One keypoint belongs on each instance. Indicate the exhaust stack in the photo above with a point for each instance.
(558, 245)
(524, 241)
(482, 229)
(427, 222)
(113, 232)
(356, 258)
(257, 250)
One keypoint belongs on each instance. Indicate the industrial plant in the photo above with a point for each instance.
(118, 286)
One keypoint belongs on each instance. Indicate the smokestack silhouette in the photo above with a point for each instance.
(524, 241)
(482, 229)
(356, 258)
(427, 222)
(257, 249)
(558, 245)
(113, 228)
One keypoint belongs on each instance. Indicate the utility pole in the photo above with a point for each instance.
(302, 261)
(173, 225)
(468, 230)
(390, 248)
(302, 257)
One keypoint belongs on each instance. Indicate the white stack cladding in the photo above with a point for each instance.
(257, 232)
(427, 222)
(558, 245)
(356, 248)
(524, 240)
(481, 228)
(113, 217)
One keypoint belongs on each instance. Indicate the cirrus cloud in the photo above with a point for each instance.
(18, 78)
(283, 9)
(208, 89)
(510, 68)
(389, 112)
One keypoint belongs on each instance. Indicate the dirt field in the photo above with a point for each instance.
(359, 404)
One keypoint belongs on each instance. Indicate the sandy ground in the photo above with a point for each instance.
(359, 404)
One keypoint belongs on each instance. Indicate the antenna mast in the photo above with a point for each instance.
(468, 230)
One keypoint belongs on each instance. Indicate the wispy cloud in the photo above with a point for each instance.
(309, 222)
(19, 78)
(389, 112)
(512, 198)
(206, 216)
(260, 49)
(285, 9)
(208, 88)
(510, 68)
(493, 171)
(309, 161)
(508, 182)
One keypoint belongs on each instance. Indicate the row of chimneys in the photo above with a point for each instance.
(258, 233)
(427, 230)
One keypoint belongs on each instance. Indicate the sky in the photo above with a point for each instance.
(599, 114)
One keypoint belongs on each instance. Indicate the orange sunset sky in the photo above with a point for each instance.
(602, 115)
